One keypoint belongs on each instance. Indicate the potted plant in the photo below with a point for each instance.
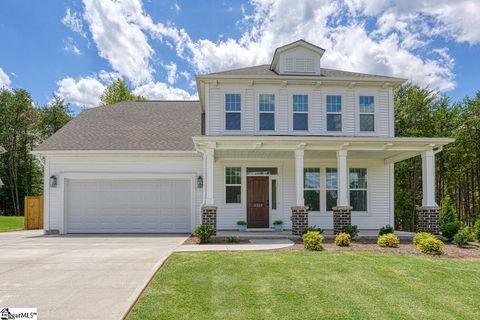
(242, 225)
(278, 225)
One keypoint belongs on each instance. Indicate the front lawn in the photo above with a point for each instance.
(11, 223)
(311, 285)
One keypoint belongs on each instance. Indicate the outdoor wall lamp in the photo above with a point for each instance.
(199, 182)
(53, 181)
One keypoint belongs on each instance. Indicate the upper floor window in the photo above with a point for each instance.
(367, 113)
(331, 188)
(267, 111)
(233, 184)
(311, 188)
(358, 189)
(233, 107)
(334, 113)
(300, 112)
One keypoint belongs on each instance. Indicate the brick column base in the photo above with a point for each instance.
(209, 216)
(342, 216)
(299, 220)
(428, 219)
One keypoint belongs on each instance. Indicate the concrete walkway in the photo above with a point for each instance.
(257, 244)
(79, 277)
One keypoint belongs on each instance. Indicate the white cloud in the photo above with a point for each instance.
(172, 75)
(84, 92)
(73, 20)
(4, 79)
(162, 91)
(71, 46)
(119, 40)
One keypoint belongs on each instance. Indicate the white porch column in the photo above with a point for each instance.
(342, 179)
(299, 177)
(209, 158)
(428, 179)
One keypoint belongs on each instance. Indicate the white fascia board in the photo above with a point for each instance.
(90, 153)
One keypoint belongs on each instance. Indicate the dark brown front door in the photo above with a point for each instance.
(257, 202)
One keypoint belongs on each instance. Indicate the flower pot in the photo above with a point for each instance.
(278, 227)
(242, 228)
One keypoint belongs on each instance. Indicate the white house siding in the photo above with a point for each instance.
(380, 205)
(125, 164)
(215, 112)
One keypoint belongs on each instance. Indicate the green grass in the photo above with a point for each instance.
(311, 285)
(11, 223)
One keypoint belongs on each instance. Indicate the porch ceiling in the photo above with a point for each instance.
(390, 150)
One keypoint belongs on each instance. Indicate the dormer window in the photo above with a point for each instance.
(233, 108)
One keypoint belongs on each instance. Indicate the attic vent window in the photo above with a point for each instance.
(302, 65)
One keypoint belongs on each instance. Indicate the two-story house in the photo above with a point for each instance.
(291, 140)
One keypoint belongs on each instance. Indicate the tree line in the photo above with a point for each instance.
(419, 112)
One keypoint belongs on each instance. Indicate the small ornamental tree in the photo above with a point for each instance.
(449, 223)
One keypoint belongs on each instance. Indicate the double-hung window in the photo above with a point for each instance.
(367, 113)
(334, 113)
(267, 112)
(300, 112)
(311, 188)
(358, 189)
(233, 184)
(233, 108)
(331, 188)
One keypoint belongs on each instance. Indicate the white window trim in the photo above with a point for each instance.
(242, 108)
(275, 114)
(359, 189)
(329, 189)
(225, 185)
(319, 189)
(357, 113)
(325, 121)
(309, 118)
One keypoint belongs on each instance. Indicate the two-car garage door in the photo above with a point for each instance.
(128, 206)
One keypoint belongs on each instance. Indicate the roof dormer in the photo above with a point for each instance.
(299, 57)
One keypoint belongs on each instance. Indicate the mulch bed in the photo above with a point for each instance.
(194, 240)
(451, 250)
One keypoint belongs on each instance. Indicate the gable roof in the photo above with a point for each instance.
(128, 126)
(298, 43)
(325, 73)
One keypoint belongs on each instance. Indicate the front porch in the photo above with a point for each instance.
(329, 182)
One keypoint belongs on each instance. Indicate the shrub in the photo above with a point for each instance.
(241, 223)
(388, 240)
(385, 230)
(476, 229)
(450, 229)
(343, 239)
(431, 245)
(233, 239)
(312, 240)
(420, 236)
(447, 219)
(351, 230)
(314, 228)
(463, 237)
(276, 222)
(204, 232)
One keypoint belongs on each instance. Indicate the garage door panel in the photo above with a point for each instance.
(128, 206)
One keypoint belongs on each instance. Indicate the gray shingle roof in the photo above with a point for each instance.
(133, 125)
(264, 70)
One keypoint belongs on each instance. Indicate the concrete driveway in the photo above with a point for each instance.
(79, 277)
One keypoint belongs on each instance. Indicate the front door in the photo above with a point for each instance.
(257, 202)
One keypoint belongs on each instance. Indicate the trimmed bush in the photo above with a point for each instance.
(314, 228)
(343, 239)
(447, 219)
(389, 240)
(476, 229)
(420, 236)
(431, 245)
(351, 230)
(385, 230)
(312, 240)
(463, 237)
(204, 232)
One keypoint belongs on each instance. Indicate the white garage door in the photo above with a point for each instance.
(128, 206)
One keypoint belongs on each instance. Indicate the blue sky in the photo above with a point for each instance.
(76, 48)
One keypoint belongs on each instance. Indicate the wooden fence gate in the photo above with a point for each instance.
(33, 212)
